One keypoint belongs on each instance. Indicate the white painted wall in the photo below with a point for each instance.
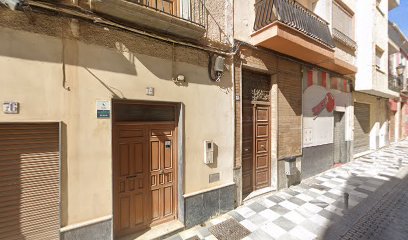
(365, 39)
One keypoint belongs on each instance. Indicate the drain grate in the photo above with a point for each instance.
(229, 230)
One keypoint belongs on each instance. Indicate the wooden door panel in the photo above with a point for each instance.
(262, 114)
(127, 133)
(262, 162)
(262, 146)
(154, 156)
(262, 179)
(137, 164)
(124, 206)
(168, 201)
(262, 130)
(124, 159)
(139, 203)
(247, 183)
(155, 204)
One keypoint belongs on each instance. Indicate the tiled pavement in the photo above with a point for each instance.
(306, 211)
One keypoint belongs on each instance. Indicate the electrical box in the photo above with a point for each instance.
(208, 152)
(290, 166)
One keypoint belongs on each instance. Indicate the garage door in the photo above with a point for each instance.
(29, 181)
(361, 127)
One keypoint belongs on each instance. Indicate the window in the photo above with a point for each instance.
(378, 57)
(343, 20)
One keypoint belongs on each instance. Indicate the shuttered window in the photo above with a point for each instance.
(29, 181)
(361, 127)
(342, 21)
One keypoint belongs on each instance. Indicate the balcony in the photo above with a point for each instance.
(343, 38)
(394, 83)
(287, 27)
(186, 19)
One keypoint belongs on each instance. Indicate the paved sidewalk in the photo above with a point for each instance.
(315, 209)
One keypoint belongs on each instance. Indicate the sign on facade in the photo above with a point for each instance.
(10, 107)
(103, 109)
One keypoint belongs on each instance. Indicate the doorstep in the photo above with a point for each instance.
(258, 193)
(157, 232)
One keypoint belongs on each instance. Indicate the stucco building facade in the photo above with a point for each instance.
(294, 58)
(135, 107)
(373, 117)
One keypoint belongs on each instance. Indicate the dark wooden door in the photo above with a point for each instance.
(256, 164)
(144, 176)
(261, 156)
(247, 147)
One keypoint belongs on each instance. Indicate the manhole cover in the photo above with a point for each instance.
(229, 230)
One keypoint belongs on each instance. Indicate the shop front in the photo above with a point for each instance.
(326, 121)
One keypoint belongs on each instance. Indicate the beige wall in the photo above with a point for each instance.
(120, 66)
(244, 18)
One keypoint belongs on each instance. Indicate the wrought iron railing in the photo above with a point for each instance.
(194, 12)
(395, 83)
(346, 40)
(294, 15)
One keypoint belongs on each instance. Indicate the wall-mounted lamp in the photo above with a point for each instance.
(179, 79)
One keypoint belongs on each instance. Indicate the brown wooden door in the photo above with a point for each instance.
(256, 166)
(247, 147)
(262, 145)
(162, 173)
(144, 176)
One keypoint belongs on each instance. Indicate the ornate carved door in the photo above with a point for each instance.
(256, 164)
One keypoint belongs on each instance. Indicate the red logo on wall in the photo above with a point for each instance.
(327, 102)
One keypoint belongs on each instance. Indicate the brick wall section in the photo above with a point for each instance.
(289, 109)
(286, 106)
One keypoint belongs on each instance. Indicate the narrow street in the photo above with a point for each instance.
(377, 185)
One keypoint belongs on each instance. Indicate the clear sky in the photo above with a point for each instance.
(399, 15)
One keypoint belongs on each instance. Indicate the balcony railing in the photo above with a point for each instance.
(195, 12)
(294, 15)
(337, 34)
(395, 83)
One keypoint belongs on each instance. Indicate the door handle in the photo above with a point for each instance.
(161, 172)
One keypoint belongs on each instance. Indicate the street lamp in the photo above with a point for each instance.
(400, 69)
(400, 72)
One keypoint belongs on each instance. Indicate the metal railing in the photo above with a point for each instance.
(395, 83)
(294, 15)
(346, 40)
(195, 12)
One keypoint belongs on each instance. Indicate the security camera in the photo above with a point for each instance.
(12, 4)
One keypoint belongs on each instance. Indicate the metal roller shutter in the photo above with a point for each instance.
(361, 127)
(29, 181)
